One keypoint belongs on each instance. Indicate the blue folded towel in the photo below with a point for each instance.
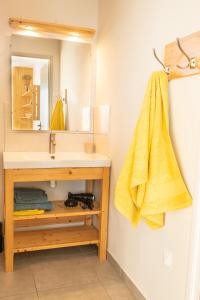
(30, 198)
(30, 206)
(30, 195)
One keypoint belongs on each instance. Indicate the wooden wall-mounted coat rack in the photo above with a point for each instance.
(183, 56)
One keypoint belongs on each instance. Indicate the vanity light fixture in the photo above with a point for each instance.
(52, 28)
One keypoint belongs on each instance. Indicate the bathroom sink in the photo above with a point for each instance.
(26, 160)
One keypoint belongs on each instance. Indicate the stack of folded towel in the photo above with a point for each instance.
(31, 200)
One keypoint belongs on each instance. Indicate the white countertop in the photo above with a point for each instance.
(36, 160)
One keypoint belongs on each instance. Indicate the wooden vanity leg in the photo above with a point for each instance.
(8, 217)
(104, 215)
(89, 185)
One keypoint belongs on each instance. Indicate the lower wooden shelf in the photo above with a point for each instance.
(55, 238)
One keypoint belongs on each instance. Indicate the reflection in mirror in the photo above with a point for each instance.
(51, 84)
(29, 86)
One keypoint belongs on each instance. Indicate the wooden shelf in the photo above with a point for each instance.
(55, 238)
(59, 210)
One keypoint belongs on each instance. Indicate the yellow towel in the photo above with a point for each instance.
(150, 183)
(57, 119)
(29, 212)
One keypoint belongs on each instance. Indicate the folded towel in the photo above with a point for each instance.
(31, 199)
(150, 183)
(31, 206)
(30, 195)
(28, 189)
(28, 212)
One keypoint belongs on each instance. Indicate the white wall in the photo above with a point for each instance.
(70, 12)
(128, 30)
(81, 13)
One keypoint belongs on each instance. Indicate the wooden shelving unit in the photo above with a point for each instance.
(31, 240)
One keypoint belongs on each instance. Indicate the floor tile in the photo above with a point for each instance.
(19, 258)
(22, 297)
(68, 252)
(62, 273)
(16, 283)
(106, 273)
(117, 290)
(52, 259)
(68, 273)
(89, 249)
(21, 262)
(83, 292)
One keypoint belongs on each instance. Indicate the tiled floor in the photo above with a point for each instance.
(70, 273)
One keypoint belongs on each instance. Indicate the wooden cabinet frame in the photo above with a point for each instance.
(13, 176)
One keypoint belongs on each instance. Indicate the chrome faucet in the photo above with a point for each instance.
(52, 144)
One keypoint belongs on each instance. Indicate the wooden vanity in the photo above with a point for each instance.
(31, 240)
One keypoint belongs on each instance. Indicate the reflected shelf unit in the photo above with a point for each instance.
(17, 240)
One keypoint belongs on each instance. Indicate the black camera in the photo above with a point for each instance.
(86, 200)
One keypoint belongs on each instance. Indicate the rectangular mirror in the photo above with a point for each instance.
(51, 84)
